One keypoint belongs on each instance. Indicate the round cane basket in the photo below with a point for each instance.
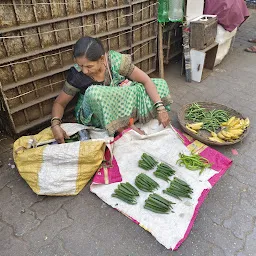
(203, 135)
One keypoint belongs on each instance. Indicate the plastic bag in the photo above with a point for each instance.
(163, 9)
(175, 12)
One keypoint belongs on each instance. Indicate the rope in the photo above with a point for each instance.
(56, 3)
(64, 29)
(25, 93)
(49, 55)
(20, 95)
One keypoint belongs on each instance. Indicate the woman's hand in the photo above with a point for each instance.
(163, 118)
(59, 134)
(57, 113)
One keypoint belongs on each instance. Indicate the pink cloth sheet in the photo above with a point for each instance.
(220, 163)
(230, 13)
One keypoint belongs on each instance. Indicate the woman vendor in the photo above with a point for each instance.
(112, 91)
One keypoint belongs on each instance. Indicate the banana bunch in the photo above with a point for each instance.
(230, 130)
(195, 127)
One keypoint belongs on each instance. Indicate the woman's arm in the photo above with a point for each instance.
(60, 104)
(139, 76)
(58, 108)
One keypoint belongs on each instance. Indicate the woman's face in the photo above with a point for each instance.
(89, 67)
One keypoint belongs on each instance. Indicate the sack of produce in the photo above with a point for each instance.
(58, 169)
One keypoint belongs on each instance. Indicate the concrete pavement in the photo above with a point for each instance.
(85, 226)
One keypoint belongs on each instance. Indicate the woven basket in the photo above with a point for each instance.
(203, 135)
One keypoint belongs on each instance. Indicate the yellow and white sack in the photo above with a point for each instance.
(60, 169)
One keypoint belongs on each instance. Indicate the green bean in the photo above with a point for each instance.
(127, 200)
(126, 192)
(145, 183)
(158, 204)
(161, 175)
(193, 162)
(147, 162)
(179, 188)
(211, 119)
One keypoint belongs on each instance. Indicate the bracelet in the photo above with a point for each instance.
(160, 108)
(158, 102)
(159, 105)
(56, 118)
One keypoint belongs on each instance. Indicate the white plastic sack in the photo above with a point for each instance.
(59, 169)
(224, 39)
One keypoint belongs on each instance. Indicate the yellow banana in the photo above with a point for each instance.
(196, 126)
(191, 129)
(234, 122)
(237, 126)
(241, 123)
(220, 136)
(235, 137)
(246, 122)
(230, 120)
(213, 134)
(236, 131)
(216, 139)
(226, 134)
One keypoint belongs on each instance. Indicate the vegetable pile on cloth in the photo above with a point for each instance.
(169, 229)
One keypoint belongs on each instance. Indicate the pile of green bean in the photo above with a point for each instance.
(212, 119)
(164, 171)
(195, 113)
(147, 162)
(193, 162)
(145, 183)
(126, 192)
(179, 188)
(158, 204)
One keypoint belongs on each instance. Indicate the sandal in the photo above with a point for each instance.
(251, 49)
(252, 40)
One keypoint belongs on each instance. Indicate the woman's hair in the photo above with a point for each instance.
(89, 47)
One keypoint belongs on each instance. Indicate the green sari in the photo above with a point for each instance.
(111, 107)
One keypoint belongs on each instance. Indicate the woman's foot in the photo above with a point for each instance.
(251, 49)
(133, 127)
(252, 40)
(120, 130)
(138, 130)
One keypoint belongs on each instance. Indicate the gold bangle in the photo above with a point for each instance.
(158, 102)
(159, 105)
(56, 118)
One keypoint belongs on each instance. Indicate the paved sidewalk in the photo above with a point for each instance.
(33, 225)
